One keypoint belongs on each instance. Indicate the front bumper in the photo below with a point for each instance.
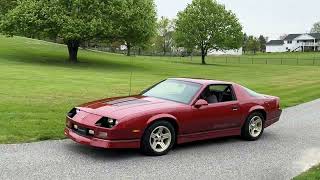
(101, 143)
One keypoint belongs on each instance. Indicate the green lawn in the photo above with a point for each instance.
(312, 174)
(38, 87)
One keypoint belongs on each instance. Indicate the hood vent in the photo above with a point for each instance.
(126, 101)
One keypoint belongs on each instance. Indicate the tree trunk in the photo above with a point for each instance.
(73, 47)
(128, 49)
(203, 55)
(164, 47)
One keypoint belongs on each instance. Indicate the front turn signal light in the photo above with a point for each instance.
(102, 135)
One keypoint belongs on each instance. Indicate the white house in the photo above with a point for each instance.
(295, 42)
(232, 52)
(275, 46)
(123, 47)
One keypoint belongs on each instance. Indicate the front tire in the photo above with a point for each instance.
(253, 127)
(158, 139)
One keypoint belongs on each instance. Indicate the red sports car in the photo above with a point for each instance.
(173, 111)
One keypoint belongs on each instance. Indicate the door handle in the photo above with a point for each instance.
(235, 108)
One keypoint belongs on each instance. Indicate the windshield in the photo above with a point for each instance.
(174, 90)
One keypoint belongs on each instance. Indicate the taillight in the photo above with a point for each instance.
(278, 103)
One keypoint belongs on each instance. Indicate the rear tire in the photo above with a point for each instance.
(253, 127)
(158, 139)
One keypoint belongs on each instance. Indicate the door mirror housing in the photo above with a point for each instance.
(200, 103)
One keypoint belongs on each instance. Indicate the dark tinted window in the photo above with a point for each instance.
(218, 93)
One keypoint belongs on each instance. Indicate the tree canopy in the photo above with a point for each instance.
(76, 21)
(206, 24)
(165, 28)
(316, 28)
(245, 43)
(253, 44)
(134, 21)
(263, 43)
(6, 5)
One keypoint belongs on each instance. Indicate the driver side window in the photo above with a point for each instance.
(218, 93)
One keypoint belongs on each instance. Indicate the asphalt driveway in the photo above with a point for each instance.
(286, 149)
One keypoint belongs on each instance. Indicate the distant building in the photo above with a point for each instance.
(295, 43)
(233, 52)
(123, 47)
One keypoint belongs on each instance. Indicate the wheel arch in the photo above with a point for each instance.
(259, 109)
(164, 117)
(145, 140)
(252, 110)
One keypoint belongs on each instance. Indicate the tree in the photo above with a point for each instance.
(253, 44)
(135, 21)
(283, 36)
(262, 42)
(73, 21)
(316, 28)
(6, 5)
(165, 30)
(244, 43)
(205, 24)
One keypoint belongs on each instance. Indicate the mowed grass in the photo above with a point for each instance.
(312, 174)
(38, 87)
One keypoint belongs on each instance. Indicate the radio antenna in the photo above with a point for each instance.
(130, 83)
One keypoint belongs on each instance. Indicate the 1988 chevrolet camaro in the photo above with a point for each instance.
(174, 111)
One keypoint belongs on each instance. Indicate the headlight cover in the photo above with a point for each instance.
(107, 122)
(72, 113)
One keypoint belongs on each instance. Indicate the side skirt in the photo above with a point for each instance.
(184, 138)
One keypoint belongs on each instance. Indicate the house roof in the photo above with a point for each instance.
(290, 37)
(275, 42)
(315, 35)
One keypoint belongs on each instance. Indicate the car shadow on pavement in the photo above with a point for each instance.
(125, 154)
(267, 136)
(100, 153)
(208, 142)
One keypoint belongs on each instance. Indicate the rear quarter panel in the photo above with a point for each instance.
(249, 104)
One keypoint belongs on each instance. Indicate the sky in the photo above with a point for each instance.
(271, 18)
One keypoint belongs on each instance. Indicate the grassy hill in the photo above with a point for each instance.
(38, 87)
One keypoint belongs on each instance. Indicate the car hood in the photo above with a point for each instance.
(120, 107)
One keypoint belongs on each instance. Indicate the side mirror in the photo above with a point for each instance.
(200, 103)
